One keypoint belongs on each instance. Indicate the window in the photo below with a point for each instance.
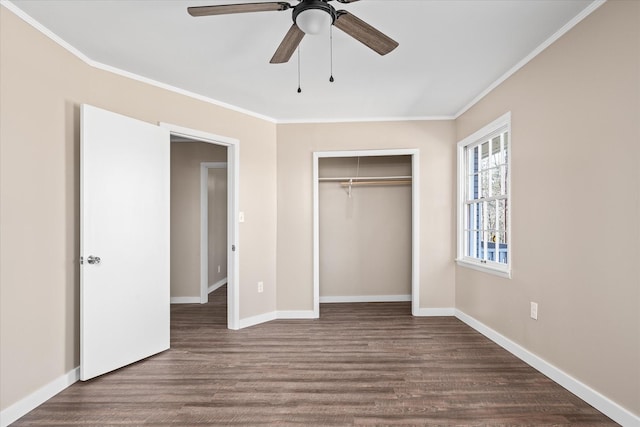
(484, 231)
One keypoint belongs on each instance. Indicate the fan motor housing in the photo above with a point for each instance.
(314, 4)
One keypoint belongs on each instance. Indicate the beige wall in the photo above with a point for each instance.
(575, 145)
(42, 86)
(575, 207)
(365, 239)
(217, 224)
(185, 213)
(296, 144)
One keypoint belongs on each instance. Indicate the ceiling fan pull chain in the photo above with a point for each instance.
(299, 89)
(331, 50)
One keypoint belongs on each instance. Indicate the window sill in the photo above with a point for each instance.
(502, 272)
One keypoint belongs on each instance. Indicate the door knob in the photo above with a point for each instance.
(93, 259)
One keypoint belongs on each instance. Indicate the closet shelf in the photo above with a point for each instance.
(378, 182)
(367, 178)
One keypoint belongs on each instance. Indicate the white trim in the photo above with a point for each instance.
(185, 300)
(365, 298)
(415, 233)
(316, 237)
(217, 285)
(295, 314)
(276, 315)
(485, 268)
(415, 216)
(365, 119)
(233, 207)
(38, 397)
(45, 31)
(487, 130)
(583, 391)
(55, 38)
(104, 67)
(524, 61)
(501, 124)
(435, 312)
(204, 227)
(256, 320)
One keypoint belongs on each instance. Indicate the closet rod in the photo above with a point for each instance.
(383, 182)
(367, 178)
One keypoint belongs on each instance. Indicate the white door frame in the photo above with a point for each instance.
(233, 227)
(204, 226)
(415, 219)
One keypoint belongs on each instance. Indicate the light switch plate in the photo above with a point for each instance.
(534, 310)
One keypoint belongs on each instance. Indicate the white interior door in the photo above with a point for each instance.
(124, 203)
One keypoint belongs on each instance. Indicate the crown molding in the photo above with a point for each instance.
(562, 31)
(104, 67)
(364, 119)
(98, 65)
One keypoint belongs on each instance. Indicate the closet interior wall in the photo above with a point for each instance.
(365, 229)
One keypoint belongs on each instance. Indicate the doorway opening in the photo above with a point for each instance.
(329, 169)
(213, 226)
(191, 279)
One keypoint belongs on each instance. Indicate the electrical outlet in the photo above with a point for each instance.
(260, 287)
(218, 269)
(241, 217)
(534, 310)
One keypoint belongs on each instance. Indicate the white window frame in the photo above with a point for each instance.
(498, 126)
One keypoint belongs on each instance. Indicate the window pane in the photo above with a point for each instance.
(491, 216)
(474, 156)
(496, 181)
(474, 216)
(474, 244)
(503, 180)
(484, 159)
(502, 216)
(490, 245)
(506, 146)
(496, 153)
(484, 184)
(501, 245)
(473, 187)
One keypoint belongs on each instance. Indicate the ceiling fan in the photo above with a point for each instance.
(309, 17)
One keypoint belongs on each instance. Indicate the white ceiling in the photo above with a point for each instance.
(450, 52)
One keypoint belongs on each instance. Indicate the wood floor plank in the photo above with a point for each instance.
(358, 365)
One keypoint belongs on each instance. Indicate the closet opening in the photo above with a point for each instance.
(366, 228)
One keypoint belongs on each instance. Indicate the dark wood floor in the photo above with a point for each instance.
(360, 364)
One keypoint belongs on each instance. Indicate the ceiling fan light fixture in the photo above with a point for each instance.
(313, 21)
(313, 16)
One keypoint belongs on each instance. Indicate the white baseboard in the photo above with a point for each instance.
(256, 320)
(295, 314)
(365, 298)
(583, 391)
(435, 312)
(185, 300)
(38, 397)
(217, 285)
(586, 393)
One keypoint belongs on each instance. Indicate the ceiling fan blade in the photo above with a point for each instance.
(289, 45)
(347, 1)
(225, 9)
(364, 33)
